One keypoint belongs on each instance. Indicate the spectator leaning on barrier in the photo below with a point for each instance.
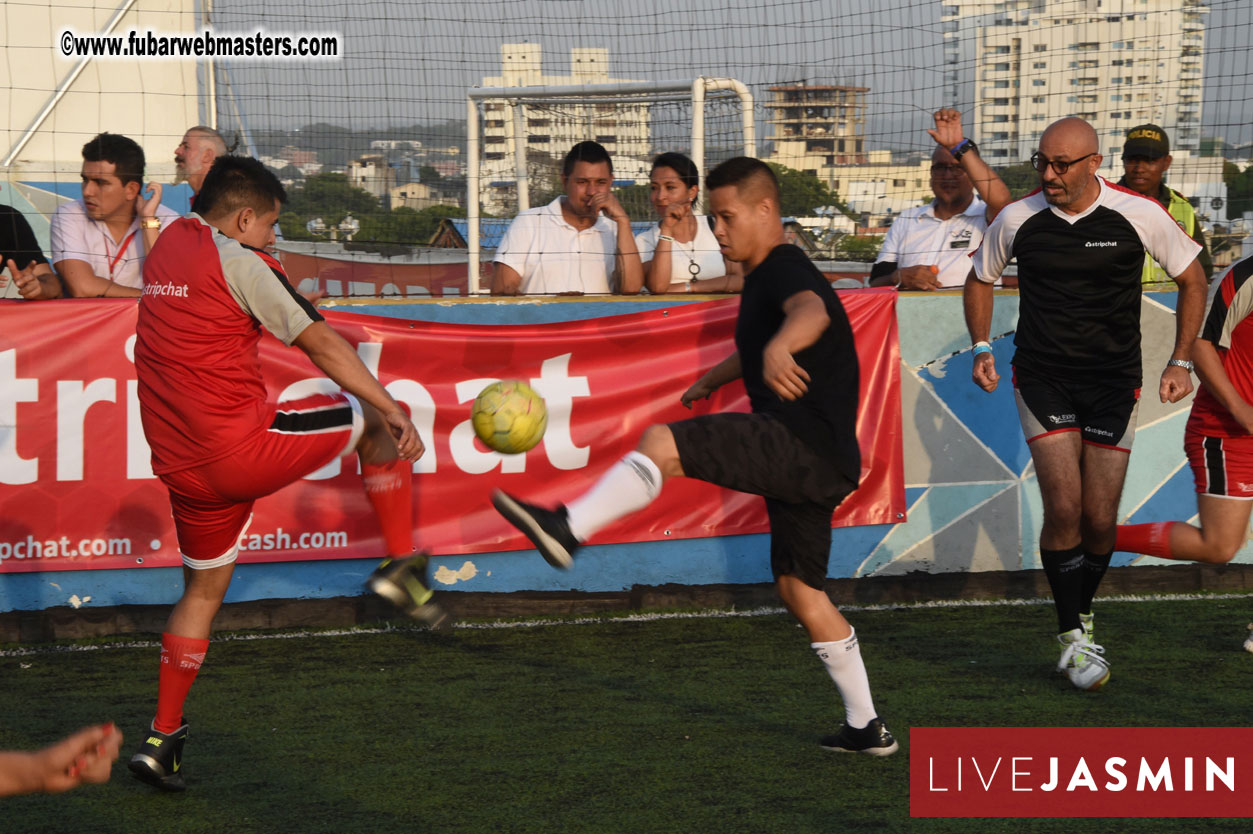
(28, 274)
(928, 247)
(195, 154)
(1145, 160)
(99, 242)
(567, 247)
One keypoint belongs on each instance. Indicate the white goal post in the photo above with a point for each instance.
(696, 91)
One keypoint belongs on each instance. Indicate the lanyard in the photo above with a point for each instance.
(121, 250)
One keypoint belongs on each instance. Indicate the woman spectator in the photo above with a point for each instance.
(680, 253)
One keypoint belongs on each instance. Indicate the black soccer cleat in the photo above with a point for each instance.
(548, 530)
(874, 739)
(403, 583)
(159, 761)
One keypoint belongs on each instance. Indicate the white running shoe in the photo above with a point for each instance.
(1082, 661)
(1248, 641)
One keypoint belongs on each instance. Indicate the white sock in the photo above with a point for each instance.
(630, 484)
(843, 661)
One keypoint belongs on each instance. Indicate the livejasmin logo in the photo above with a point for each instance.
(1081, 772)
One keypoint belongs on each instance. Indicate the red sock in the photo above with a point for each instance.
(1149, 539)
(180, 661)
(390, 490)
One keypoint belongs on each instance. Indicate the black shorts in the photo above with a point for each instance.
(1104, 414)
(757, 454)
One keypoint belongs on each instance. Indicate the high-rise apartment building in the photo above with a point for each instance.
(551, 129)
(1115, 63)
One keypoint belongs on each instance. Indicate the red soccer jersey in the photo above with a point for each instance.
(201, 393)
(1229, 328)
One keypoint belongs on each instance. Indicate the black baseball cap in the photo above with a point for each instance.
(1148, 141)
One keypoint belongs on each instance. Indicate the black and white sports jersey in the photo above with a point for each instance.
(1079, 279)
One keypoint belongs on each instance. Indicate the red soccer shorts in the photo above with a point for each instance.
(212, 503)
(1221, 465)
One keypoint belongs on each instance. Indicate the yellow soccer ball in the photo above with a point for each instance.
(509, 416)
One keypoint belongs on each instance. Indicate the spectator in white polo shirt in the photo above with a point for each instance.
(579, 244)
(928, 247)
(99, 242)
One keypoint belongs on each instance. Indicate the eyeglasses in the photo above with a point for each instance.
(942, 168)
(1041, 163)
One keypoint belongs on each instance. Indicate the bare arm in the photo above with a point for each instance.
(1209, 368)
(146, 209)
(977, 304)
(36, 282)
(628, 271)
(1176, 382)
(719, 375)
(992, 190)
(805, 319)
(336, 358)
(505, 280)
(84, 283)
(86, 756)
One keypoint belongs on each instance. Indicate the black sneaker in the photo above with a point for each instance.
(160, 759)
(548, 530)
(875, 739)
(402, 582)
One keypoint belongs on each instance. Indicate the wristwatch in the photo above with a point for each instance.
(959, 150)
(150, 222)
(1181, 363)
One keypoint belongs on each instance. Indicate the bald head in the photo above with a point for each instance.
(1070, 137)
(209, 136)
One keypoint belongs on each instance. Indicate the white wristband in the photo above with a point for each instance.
(665, 237)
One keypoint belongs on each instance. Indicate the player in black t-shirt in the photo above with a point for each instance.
(27, 267)
(797, 449)
(1080, 243)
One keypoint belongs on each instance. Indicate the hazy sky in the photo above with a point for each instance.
(412, 62)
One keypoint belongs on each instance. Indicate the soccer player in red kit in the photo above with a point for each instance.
(217, 441)
(1218, 439)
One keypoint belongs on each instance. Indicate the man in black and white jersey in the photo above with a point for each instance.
(1080, 243)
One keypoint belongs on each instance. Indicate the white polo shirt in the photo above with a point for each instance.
(918, 237)
(552, 256)
(75, 236)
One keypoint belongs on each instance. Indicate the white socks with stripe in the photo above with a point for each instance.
(629, 485)
(843, 661)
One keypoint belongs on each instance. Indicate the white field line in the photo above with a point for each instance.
(712, 614)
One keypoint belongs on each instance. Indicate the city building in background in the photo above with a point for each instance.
(1115, 63)
(550, 130)
(818, 126)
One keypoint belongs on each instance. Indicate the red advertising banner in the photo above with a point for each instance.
(77, 491)
(1080, 772)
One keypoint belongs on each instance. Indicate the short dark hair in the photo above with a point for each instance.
(586, 152)
(681, 165)
(125, 154)
(744, 172)
(236, 182)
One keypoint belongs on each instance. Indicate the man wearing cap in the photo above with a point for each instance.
(1145, 160)
(928, 247)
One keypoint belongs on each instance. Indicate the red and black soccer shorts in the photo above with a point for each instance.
(1104, 415)
(757, 454)
(1221, 466)
(212, 503)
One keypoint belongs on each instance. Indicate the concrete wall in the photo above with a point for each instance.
(973, 504)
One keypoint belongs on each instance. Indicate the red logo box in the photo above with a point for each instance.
(1081, 772)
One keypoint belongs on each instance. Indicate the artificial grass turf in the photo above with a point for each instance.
(675, 725)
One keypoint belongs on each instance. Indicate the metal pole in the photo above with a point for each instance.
(472, 193)
(698, 135)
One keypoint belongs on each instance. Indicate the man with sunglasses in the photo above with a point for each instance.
(1145, 160)
(1080, 243)
(928, 247)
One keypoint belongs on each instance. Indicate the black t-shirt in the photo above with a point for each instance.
(17, 241)
(826, 416)
(1079, 280)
